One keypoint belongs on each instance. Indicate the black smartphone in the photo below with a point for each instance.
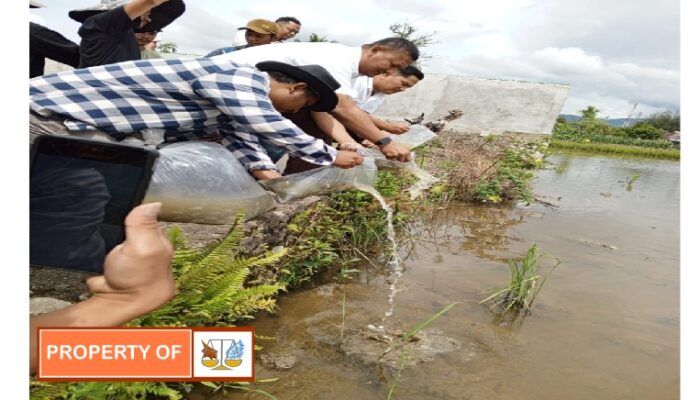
(80, 193)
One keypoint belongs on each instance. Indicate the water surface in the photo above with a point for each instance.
(606, 324)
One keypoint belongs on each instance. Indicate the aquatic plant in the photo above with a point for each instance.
(515, 300)
(631, 180)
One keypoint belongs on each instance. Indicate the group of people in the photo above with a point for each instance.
(259, 100)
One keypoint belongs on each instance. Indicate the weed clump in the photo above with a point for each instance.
(488, 169)
(514, 301)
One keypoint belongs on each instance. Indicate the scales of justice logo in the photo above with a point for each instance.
(214, 357)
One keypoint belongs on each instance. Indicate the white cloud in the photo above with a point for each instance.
(617, 53)
(616, 86)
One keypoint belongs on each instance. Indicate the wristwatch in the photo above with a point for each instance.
(383, 141)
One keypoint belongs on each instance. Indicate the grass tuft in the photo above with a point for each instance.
(514, 301)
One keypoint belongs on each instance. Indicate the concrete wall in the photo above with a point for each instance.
(490, 106)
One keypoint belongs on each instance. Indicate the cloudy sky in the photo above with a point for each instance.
(612, 54)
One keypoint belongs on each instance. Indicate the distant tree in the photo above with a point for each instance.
(667, 121)
(317, 38)
(589, 113)
(645, 130)
(407, 31)
(167, 47)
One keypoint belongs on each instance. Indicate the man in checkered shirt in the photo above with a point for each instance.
(192, 99)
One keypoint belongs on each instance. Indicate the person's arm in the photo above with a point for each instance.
(136, 8)
(391, 127)
(331, 127)
(137, 279)
(242, 95)
(53, 45)
(358, 121)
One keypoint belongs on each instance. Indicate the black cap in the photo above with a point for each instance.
(318, 78)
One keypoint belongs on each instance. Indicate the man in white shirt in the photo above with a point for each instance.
(372, 91)
(345, 64)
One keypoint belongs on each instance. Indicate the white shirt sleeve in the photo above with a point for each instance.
(373, 103)
(362, 85)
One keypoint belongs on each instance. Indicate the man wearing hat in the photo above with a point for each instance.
(345, 63)
(257, 32)
(108, 29)
(191, 99)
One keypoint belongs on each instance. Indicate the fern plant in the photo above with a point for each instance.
(210, 284)
(103, 391)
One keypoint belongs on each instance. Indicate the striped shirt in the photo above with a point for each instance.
(189, 98)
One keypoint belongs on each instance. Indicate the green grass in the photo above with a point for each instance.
(647, 152)
(515, 300)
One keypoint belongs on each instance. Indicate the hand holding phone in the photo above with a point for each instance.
(80, 194)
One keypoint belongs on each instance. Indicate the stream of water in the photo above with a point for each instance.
(605, 326)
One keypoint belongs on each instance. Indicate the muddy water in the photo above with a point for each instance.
(605, 326)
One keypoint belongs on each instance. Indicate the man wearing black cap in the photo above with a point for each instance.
(192, 99)
(107, 30)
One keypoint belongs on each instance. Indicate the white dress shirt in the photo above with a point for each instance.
(341, 61)
(363, 86)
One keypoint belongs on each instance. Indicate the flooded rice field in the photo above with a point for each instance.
(605, 326)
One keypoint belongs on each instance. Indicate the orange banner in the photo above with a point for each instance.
(114, 353)
(146, 354)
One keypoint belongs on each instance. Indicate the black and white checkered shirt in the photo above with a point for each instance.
(189, 98)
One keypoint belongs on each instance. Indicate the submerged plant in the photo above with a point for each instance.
(630, 181)
(515, 300)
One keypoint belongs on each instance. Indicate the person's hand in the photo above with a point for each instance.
(350, 146)
(347, 159)
(395, 151)
(265, 174)
(396, 127)
(137, 272)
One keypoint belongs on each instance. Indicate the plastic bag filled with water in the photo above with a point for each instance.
(417, 135)
(324, 180)
(203, 183)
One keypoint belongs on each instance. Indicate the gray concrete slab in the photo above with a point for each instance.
(490, 106)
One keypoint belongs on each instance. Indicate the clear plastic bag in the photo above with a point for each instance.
(417, 135)
(202, 182)
(324, 180)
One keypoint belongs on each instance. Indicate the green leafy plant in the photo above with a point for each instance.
(210, 284)
(104, 391)
(515, 300)
(633, 151)
(336, 234)
(645, 130)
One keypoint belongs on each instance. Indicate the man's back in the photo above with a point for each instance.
(137, 95)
